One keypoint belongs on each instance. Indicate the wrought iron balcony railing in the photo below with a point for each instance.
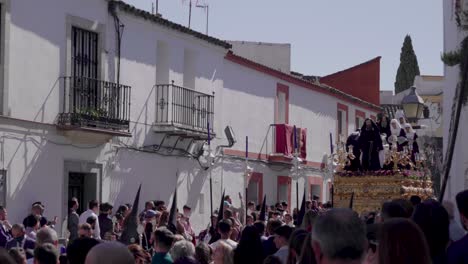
(94, 103)
(182, 109)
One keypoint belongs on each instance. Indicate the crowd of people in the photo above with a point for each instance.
(403, 231)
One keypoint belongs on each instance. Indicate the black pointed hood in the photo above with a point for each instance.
(172, 223)
(263, 210)
(302, 211)
(221, 209)
(130, 234)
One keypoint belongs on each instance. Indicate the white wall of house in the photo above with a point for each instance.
(34, 152)
(458, 173)
(274, 55)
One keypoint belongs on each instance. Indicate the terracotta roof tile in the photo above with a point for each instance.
(164, 22)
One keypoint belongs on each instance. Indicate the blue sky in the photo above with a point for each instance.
(326, 35)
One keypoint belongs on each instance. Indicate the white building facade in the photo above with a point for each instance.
(458, 177)
(99, 97)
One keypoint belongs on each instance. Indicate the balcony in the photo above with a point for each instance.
(95, 105)
(283, 142)
(183, 112)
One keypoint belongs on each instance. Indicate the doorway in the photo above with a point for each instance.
(82, 179)
(315, 190)
(83, 186)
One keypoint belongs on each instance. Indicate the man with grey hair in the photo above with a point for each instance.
(182, 249)
(45, 235)
(339, 236)
(110, 252)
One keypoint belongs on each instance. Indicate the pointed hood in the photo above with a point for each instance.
(351, 201)
(302, 211)
(172, 223)
(262, 215)
(130, 234)
(221, 209)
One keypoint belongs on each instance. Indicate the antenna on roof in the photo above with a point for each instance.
(207, 10)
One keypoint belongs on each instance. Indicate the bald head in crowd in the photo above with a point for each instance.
(110, 253)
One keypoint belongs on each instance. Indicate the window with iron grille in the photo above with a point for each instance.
(84, 53)
(84, 71)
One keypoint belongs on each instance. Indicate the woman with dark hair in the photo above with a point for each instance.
(402, 241)
(164, 219)
(307, 254)
(140, 255)
(122, 210)
(296, 242)
(250, 249)
(434, 222)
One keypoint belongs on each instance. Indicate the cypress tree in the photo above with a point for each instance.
(408, 68)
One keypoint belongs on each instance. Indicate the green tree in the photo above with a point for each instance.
(408, 68)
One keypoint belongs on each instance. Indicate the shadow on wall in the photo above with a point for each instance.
(158, 181)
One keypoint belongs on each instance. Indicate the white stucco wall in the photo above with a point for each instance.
(458, 173)
(274, 55)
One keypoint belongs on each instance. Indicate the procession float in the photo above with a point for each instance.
(378, 164)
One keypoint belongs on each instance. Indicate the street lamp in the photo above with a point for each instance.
(413, 105)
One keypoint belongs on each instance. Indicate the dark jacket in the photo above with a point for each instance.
(457, 253)
(43, 220)
(23, 242)
(269, 247)
(72, 225)
(105, 224)
(5, 236)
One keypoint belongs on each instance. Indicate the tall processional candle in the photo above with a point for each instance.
(246, 147)
(295, 139)
(209, 139)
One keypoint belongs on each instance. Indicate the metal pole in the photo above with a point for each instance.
(211, 195)
(297, 194)
(190, 13)
(207, 15)
(157, 7)
(332, 195)
(246, 207)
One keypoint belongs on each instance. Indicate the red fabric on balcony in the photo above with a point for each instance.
(285, 140)
(303, 143)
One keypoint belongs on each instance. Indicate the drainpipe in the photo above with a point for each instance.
(119, 28)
